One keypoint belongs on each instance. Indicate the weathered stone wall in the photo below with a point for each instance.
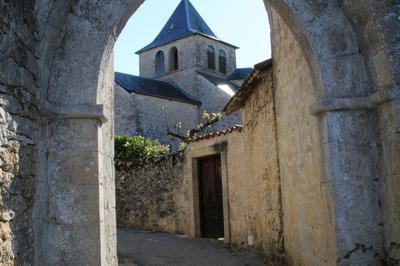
(309, 222)
(202, 59)
(151, 117)
(390, 192)
(108, 226)
(186, 57)
(375, 34)
(192, 52)
(193, 58)
(153, 194)
(252, 193)
(17, 175)
(145, 115)
(53, 51)
(126, 113)
(185, 79)
(254, 184)
(19, 92)
(216, 104)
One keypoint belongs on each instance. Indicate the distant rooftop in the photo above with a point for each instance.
(235, 128)
(151, 87)
(239, 73)
(217, 81)
(248, 87)
(184, 22)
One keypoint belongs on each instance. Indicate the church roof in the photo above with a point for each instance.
(151, 87)
(239, 73)
(184, 22)
(217, 81)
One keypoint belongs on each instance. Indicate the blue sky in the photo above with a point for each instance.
(244, 24)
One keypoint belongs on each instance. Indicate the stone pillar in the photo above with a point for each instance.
(73, 193)
(75, 210)
(352, 166)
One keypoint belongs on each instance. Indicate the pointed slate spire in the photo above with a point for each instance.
(185, 21)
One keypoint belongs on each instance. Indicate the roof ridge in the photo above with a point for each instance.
(185, 21)
(152, 87)
(187, 15)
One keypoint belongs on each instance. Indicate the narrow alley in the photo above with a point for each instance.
(148, 248)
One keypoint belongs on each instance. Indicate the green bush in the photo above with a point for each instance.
(138, 147)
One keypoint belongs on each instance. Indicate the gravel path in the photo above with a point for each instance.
(147, 248)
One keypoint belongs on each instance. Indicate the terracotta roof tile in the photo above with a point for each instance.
(236, 128)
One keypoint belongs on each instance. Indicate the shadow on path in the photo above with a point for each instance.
(147, 248)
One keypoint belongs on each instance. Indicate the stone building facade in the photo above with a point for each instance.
(56, 61)
(152, 116)
(250, 178)
(187, 55)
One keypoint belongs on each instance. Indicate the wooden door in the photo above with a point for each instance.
(211, 208)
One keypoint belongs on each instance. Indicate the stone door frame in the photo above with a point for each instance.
(192, 175)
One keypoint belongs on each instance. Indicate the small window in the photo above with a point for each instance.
(222, 61)
(211, 57)
(174, 62)
(160, 65)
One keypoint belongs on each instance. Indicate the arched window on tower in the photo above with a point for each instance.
(174, 63)
(160, 65)
(211, 57)
(222, 61)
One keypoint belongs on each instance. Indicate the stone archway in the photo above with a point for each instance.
(75, 210)
(63, 63)
(342, 91)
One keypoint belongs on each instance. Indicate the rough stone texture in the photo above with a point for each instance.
(152, 194)
(126, 114)
(55, 54)
(17, 176)
(18, 125)
(306, 196)
(192, 52)
(200, 88)
(378, 35)
(145, 115)
(253, 194)
(192, 57)
(261, 167)
(390, 192)
(152, 117)
(254, 170)
(158, 194)
(350, 151)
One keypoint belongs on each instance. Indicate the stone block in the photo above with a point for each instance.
(75, 135)
(387, 119)
(74, 168)
(342, 79)
(357, 215)
(378, 67)
(391, 154)
(71, 204)
(63, 242)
